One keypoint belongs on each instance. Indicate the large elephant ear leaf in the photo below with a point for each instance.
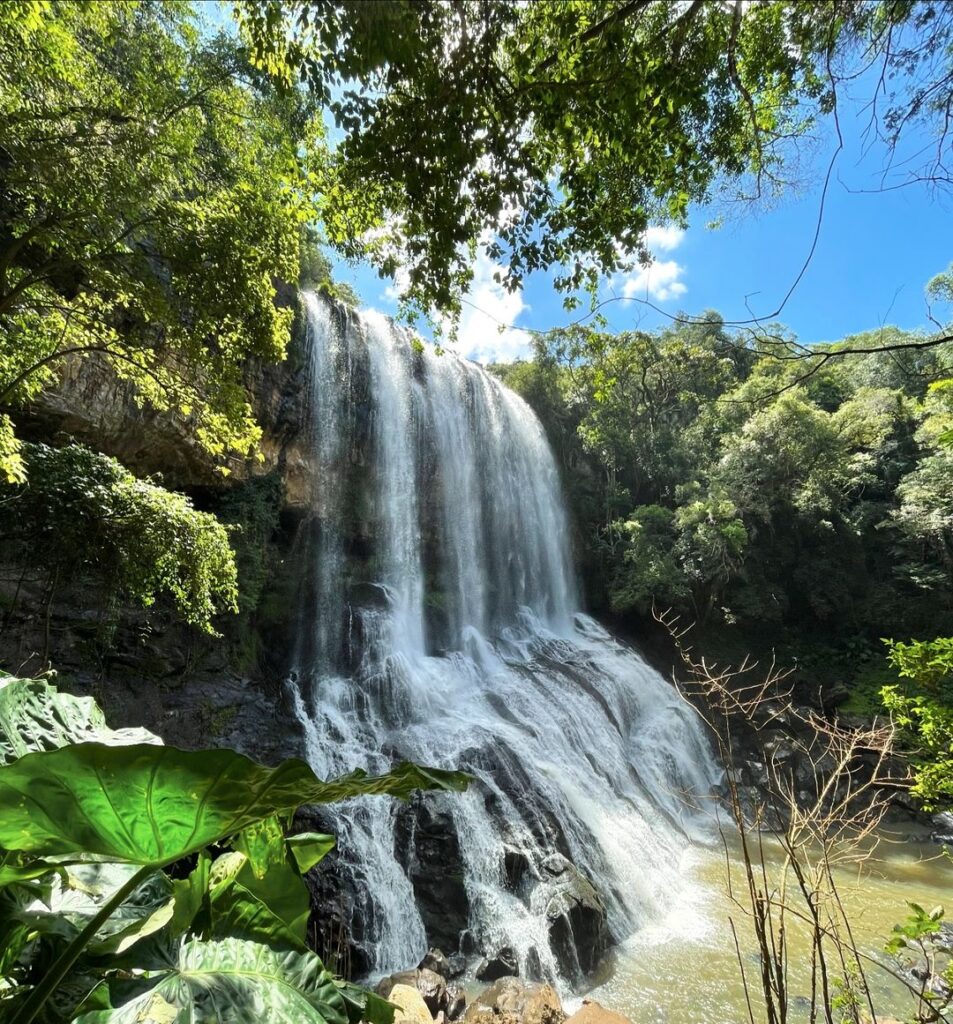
(272, 909)
(233, 982)
(34, 715)
(151, 805)
(401, 781)
(73, 902)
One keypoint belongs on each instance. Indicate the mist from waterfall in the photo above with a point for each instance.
(440, 625)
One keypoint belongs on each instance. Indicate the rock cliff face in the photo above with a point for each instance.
(92, 405)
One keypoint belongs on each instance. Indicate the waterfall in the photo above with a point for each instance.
(440, 624)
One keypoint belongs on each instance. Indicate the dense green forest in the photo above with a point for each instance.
(777, 497)
(171, 175)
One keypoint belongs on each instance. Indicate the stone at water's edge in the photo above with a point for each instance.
(942, 827)
(502, 964)
(432, 988)
(593, 1013)
(510, 999)
(578, 932)
(411, 1006)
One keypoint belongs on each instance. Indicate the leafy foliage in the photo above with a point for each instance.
(925, 711)
(151, 193)
(92, 924)
(559, 131)
(792, 503)
(151, 805)
(922, 949)
(233, 979)
(83, 516)
(34, 715)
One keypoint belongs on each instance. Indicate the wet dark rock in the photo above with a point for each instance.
(428, 845)
(456, 965)
(942, 827)
(578, 929)
(501, 964)
(456, 1003)
(516, 865)
(435, 961)
(434, 990)
(336, 923)
(368, 595)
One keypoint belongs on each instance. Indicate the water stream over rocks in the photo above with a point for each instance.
(440, 624)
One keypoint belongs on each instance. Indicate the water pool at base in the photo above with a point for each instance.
(683, 968)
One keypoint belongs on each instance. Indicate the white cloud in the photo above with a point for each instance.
(487, 307)
(660, 279)
(664, 238)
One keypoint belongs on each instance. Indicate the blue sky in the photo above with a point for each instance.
(875, 252)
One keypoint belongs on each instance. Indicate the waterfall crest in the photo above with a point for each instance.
(440, 624)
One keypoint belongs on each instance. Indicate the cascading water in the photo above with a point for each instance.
(439, 625)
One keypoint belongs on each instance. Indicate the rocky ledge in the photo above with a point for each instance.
(433, 993)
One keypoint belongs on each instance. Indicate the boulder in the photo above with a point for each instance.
(435, 961)
(541, 1005)
(411, 1008)
(428, 846)
(430, 985)
(501, 964)
(593, 1013)
(512, 999)
(434, 990)
(385, 985)
(456, 1003)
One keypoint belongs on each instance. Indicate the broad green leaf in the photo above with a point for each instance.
(35, 716)
(14, 937)
(189, 894)
(308, 848)
(263, 844)
(15, 870)
(151, 805)
(363, 1005)
(273, 909)
(234, 982)
(73, 903)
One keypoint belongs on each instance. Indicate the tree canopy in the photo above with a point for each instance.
(150, 197)
(557, 131)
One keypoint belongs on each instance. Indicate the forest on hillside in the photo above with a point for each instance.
(802, 501)
(243, 521)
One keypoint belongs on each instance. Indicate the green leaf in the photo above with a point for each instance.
(13, 871)
(308, 848)
(151, 805)
(189, 894)
(234, 982)
(35, 716)
(363, 1005)
(72, 904)
(273, 909)
(263, 844)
